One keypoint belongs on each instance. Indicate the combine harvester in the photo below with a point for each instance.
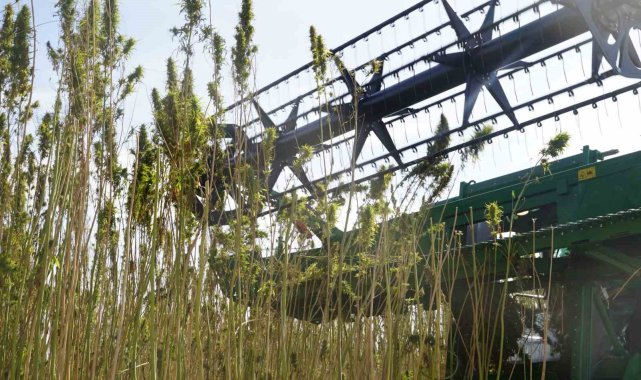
(574, 224)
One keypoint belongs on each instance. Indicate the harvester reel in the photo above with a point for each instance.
(583, 204)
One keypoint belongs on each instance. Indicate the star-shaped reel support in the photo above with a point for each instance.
(363, 127)
(279, 163)
(477, 75)
(610, 22)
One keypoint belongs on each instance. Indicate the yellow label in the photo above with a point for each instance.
(587, 173)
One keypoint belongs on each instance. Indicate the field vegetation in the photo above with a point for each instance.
(116, 270)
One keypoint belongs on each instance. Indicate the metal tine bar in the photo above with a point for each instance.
(397, 49)
(364, 65)
(512, 72)
(354, 40)
(452, 149)
(486, 29)
(398, 70)
(456, 23)
(400, 47)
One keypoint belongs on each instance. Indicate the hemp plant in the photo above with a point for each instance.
(244, 48)
(18, 162)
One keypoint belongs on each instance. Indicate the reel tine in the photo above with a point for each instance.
(347, 77)
(277, 168)
(361, 136)
(264, 117)
(472, 91)
(304, 180)
(487, 30)
(456, 23)
(380, 129)
(497, 92)
(597, 59)
(376, 82)
(290, 123)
